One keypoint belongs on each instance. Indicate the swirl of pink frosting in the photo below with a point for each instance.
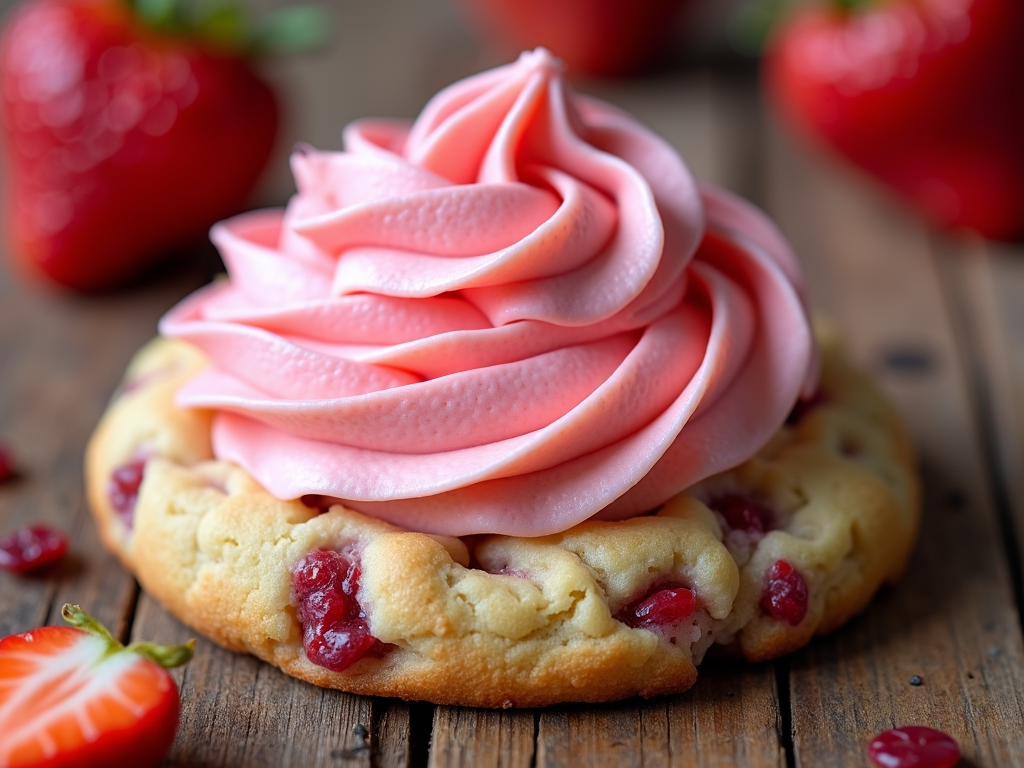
(518, 313)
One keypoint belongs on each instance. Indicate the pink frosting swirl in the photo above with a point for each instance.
(518, 313)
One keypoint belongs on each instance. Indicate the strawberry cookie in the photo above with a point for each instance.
(504, 409)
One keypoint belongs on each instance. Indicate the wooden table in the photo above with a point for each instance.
(937, 320)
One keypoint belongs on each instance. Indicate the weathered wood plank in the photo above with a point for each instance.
(468, 738)
(952, 620)
(397, 728)
(598, 735)
(729, 718)
(985, 280)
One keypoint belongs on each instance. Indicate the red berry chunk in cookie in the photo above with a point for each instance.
(6, 464)
(663, 608)
(334, 630)
(123, 488)
(785, 594)
(31, 547)
(914, 746)
(742, 513)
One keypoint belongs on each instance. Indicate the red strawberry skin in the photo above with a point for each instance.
(66, 701)
(603, 38)
(122, 144)
(923, 94)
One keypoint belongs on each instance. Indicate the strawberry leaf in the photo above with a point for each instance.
(225, 24)
(156, 13)
(292, 28)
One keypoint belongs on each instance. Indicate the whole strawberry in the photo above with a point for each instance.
(130, 127)
(75, 697)
(923, 94)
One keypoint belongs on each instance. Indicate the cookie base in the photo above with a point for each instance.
(499, 621)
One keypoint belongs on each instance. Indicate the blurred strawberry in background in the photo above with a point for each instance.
(926, 95)
(131, 126)
(603, 38)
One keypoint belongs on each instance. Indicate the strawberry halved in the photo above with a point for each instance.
(74, 696)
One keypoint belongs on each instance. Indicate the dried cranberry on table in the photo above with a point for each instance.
(914, 746)
(32, 547)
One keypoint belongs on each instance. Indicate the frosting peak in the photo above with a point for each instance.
(513, 315)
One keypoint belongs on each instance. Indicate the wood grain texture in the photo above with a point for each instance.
(984, 281)
(467, 738)
(401, 733)
(952, 620)
(729, 718)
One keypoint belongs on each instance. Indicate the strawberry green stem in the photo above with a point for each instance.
(850, 6)
(224, 24)
(166, 656)
(76, 617)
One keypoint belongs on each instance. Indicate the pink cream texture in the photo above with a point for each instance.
(518, 313)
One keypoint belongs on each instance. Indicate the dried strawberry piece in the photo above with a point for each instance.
(785, 593)
(742, 513)
(665, 607)
(123, 489)
(6, 464)
(32, 547)
(335, 633)
(914, 746)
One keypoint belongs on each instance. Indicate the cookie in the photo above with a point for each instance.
(754, 561)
